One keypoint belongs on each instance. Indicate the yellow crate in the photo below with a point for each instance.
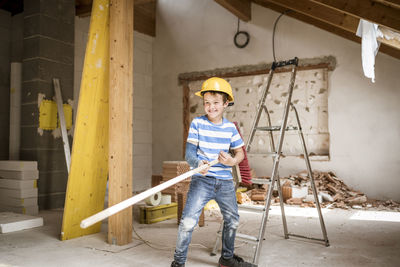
(160, 213)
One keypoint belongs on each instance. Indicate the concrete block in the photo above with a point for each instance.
(31, 89)
(5, 19)
(30, 70)
(12, 222)
(50, 27)
(142, 149)
(18, 184)
(29, 115)
(29, 210)
(142, 138)
(52, 182)
(48, 159)
(20, 175)
(47, 70)
(24, 193)
(31, 47)
(18, 165)
(52, 201)
(31, 139)
(56, 50)
(19, 202)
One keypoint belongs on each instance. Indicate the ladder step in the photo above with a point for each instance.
(242, 237)
(260, 181)
(253, 208)
(276, 128)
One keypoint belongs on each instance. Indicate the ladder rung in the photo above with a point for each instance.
(260, 181)
(253, 208)
(243, 237)
(276, 128)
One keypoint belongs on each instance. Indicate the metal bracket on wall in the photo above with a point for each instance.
(64, 134)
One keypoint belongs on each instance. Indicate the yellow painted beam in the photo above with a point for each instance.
(89, 163)
(121, 119)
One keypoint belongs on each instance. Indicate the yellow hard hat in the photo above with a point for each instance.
(216, 84)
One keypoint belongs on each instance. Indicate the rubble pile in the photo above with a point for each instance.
(332, 193)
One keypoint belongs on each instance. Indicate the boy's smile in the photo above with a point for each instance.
(214, 106)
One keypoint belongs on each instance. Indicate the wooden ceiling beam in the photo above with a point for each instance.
(145, 14)
(366, 9)
(239, 8)
(326, 26)
(145, 17)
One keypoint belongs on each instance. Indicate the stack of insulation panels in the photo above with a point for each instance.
(172, 169)
(18, 186)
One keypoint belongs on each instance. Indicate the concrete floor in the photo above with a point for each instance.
(358, 238)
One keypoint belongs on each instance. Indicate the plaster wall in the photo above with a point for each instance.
(142, 98)
(364, 124)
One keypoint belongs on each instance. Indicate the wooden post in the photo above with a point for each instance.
(87, 179)
(120, 118)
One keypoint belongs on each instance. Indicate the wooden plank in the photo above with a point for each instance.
(61, 117)
(368, 10)
(326, 26)
(87, 179)
(239, 8)
(323, 13)
(121, 118)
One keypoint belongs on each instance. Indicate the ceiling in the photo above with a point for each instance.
(340, 17)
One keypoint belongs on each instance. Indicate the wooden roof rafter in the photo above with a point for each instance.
(340, 17)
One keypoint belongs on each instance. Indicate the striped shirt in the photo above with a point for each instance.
(212, 138)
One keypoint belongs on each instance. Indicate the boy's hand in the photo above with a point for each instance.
(202, 162)
(226, 159)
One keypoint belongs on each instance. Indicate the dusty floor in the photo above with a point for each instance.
(358, 238)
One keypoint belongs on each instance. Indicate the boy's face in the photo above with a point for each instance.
(214, 106)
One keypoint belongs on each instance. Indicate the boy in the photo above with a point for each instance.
(210, 137)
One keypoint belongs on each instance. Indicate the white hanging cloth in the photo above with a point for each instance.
(369, 46)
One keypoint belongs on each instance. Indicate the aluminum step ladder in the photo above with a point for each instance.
(276, 154)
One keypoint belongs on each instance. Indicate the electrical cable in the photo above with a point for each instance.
(238, 35)
(273, 32)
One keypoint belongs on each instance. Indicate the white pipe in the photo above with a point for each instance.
(15, 109)
(135, 199)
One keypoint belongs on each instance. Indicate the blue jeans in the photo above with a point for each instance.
(202, 189)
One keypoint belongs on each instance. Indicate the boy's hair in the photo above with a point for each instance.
(224, 95)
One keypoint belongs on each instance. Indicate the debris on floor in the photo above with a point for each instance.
(332, 193)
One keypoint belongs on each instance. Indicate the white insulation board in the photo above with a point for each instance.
(18, 184)
(11, 222)
(20, 175)
(16, 193)
(18, 165)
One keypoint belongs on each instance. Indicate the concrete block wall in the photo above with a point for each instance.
(5, 48)
(48, 52)
(142, 98)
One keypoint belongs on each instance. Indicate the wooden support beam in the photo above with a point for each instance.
(341, 25)
(366, 9)
(239, 8)
(144, 14)
(145, 17)
(87, 179)
(121, 118)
